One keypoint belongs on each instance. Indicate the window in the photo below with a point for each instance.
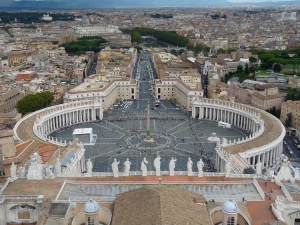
(230, 221)
(90, 221)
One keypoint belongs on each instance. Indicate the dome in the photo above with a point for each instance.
(230, 207)
(91, 207)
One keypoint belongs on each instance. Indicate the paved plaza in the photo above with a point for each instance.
(122, 132)
(175, 136)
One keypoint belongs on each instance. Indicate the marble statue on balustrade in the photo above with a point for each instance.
(127, 165)
(57, 167)
(21, 172)
(190, 167)
(200, 166)
(89, 168)
(144, 167)
(157, 165)
(172, 165)
(224, 142)
(35, 168)
(115, 167)
(49, 173)
(259, 168)
(13, 171)
(284, 170)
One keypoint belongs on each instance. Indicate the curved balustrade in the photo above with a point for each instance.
(265, 141)
(54, 118)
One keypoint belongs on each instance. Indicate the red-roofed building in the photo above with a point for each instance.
(26, 76)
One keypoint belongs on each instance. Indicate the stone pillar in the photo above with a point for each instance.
(235, 119)
(263, 160)
(274, 154)
(101, 113)
(221, 116)
(271, 156)
(193, 112)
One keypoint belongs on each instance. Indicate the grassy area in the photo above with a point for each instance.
(263, 72)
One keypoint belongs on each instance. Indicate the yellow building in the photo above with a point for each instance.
(292, 107)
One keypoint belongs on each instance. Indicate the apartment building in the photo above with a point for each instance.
(293, 108)
(178, 81)
(258, 94)
(112, 80)
(9, 100)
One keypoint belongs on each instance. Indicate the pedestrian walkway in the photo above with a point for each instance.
(260, 211)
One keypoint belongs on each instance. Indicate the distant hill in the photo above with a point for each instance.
(93, 4)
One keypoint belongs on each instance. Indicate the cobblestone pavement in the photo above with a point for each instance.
(180, 137)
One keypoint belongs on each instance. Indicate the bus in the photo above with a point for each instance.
(224, 125)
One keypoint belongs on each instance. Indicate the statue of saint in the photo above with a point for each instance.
(190, 167)
(21, 172)
(115, 168)
(13, 170)
(172, 165)
(127, 165)
(49, 173)
(200, 165)
(89, 166)
(144, 167)
(259, 168)
(157, 165)
(57, 167)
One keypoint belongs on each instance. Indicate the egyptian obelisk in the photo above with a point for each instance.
(148, 122)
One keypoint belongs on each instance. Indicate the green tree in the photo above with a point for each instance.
(252, 60)
(247, 72)
(229, 50)
(173, 52)
(288, 121)
(220, 51)
(253, 70)
(136, 37)
(138, 48)
(34, 102)
(239, 69)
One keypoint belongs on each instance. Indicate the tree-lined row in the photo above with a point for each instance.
(84, 44)
(281, 57)
(170, 37)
